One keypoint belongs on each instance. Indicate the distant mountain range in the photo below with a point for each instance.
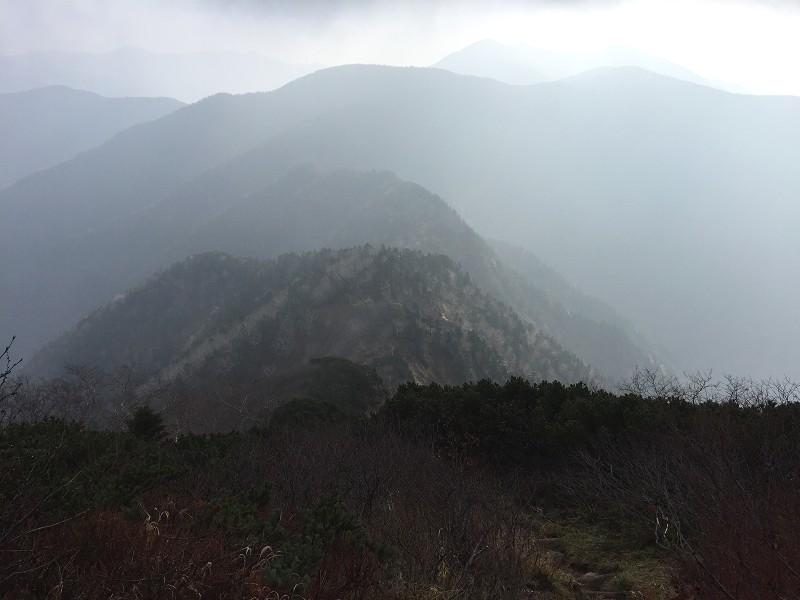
(42, 127)
(215, 320)
(307, 209)
(135, 72)
(672, 202)
(519, 64)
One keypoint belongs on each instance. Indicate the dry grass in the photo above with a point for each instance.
(643, 572)
(455, 531)
(103, 555)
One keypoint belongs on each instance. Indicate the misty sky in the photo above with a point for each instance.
(753, 45)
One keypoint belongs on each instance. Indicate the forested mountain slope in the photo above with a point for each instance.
(214, 320)
(620, 179)
(308, 209)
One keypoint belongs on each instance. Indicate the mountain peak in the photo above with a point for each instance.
(520, 64)
(408, 315)
(638, 81)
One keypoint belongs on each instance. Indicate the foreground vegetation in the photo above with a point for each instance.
(484, 490)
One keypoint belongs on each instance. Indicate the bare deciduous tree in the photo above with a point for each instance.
(8, 387)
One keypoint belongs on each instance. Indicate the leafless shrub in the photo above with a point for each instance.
(457, 529)
(81, 394)
(102, 555)
(719, 489)
(700, 387)
(8, 387)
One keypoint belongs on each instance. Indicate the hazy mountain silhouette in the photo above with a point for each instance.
(673, 202)
(519, 64)
(408, 315)
(46, 126)
(306, 210)
(135, 72)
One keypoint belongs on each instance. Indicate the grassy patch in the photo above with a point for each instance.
(589, 548)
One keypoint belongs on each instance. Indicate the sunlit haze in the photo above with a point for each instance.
(747, 45)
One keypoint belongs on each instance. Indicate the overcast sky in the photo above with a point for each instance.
(752, 44)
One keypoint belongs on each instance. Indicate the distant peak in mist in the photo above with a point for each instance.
(131, 71)
(521, 64)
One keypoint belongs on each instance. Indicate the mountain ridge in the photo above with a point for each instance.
(46, 126)
(131, 71)
(408, 315)
(588, 175)
(308, 209)
(519, 64)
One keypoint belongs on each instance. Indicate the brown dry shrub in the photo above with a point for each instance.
(102, 555)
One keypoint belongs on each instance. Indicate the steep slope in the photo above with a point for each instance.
(216, 318)
(588, 327)
(136, 72)
(150, 162)
(672, 202)
(42, 127)
(308, 209)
